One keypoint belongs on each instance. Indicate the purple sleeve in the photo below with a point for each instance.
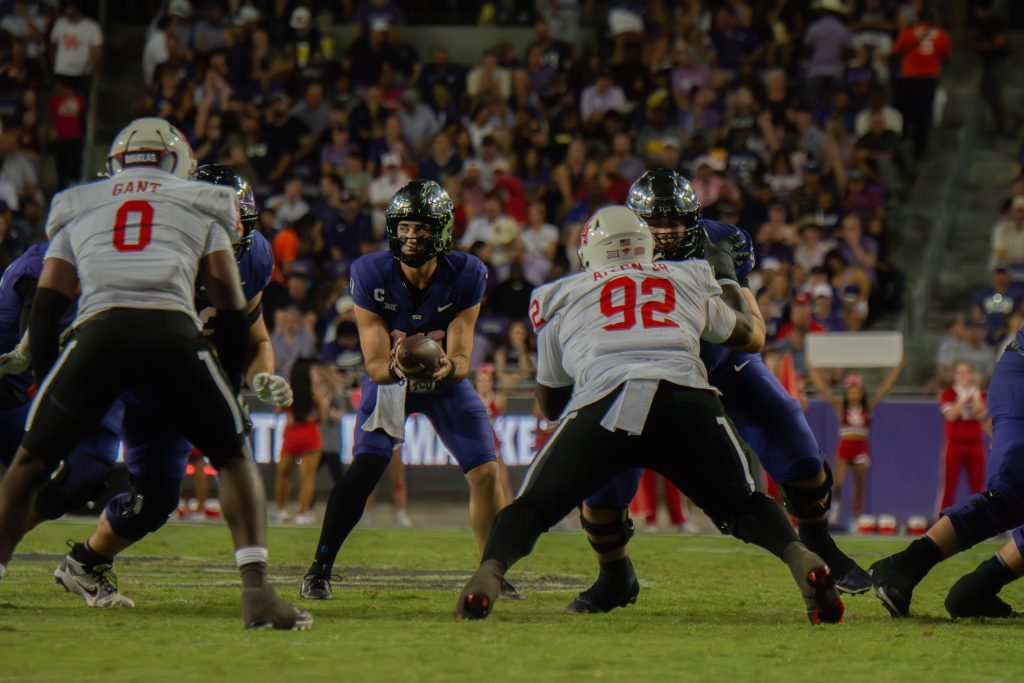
(362, 286)
(472, 282)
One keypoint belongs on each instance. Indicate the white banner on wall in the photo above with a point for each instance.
(422, 445)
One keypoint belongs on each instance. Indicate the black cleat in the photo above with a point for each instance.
(482, 589)
(894, 586)
(854, 582)
(971, 596)
(509, 592)
(814, 578)
(316, 584)
(598, 600)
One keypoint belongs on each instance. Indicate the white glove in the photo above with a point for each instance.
(272, 389)
(17, 360)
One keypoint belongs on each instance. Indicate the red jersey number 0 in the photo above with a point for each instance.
(131, 211)
(650, 286)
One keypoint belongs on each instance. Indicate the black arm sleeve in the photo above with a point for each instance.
(44, 329)
(232, 339)
(253, 316)
(25, 288)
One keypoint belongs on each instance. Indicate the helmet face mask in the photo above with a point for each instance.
(422, 211)
(219, 174)
(668, 202)
(152, 142)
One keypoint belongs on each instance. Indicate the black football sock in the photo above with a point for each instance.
(762, 522)
(345, 506)
(994, 573)
(818, 540)
(919, 557)
(514, 533)
(89, 557)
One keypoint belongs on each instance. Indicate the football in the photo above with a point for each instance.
(418, 355)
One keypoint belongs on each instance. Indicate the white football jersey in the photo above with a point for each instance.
(136, 239)
(599, 329)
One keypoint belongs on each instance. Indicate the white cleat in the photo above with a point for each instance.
(403, 519)
(96, 585)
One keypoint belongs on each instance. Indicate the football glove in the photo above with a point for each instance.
(721, 257)
(17, 360)
(272, 389)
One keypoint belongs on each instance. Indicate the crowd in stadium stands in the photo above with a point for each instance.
(782, 114)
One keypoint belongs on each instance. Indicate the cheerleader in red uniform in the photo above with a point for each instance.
(302, 442)
(854, 412)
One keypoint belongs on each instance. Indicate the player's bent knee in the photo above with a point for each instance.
(483, 476)
(809, 498)
(143, 510)
(73, 486)
(607, 536)
(986, 514)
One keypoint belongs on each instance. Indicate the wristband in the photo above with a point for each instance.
(391, 371)
(728, 281)
(451, 372)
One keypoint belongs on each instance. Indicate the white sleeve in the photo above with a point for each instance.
(60, 247)
(60, 212)
(217, 240)
(221, 205)
(721, 318)
(550, 371)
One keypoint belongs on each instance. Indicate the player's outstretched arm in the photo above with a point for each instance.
(375, 341)
(885, 387)
(826, 393)
(58, 287)
(270, 388)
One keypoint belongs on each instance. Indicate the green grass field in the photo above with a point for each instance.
(710, 609)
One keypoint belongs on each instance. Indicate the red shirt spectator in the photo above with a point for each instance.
(66, 109)
(924, 48)
(964, 408)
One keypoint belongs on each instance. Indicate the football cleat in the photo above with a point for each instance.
(316, 584)
(262, 608)
(854, 582)
(814, 578)
(594, 600)
(971, 596)
(894, 586)
(509, 592)
(482, 589)
(97, 585)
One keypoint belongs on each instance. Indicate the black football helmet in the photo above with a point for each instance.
(219, 174)
(423, 201)
(665, 199)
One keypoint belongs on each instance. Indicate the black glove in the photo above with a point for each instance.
(722, 259)
(743, 255)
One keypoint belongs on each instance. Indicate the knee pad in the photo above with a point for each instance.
(984, 515)
(144, 509)
(809, 502)
(618, 492)
(72, 486)
(622, 529)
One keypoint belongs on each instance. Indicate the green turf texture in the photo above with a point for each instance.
(711, 609)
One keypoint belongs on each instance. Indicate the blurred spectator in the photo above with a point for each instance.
(444, 163)
(555, 53)
(538, 236)
(800, 318)
(827, 40)
(812, 248)
(291, 340)
(878, 104)
(862, 199)
(334, 154)
(1008, 236)
(9, 242)
(952, 347)
(157, 51)
(601, 97)
(17, 167)
(991, 306)
(513, 360)
(77, 46)
(851, 285)
(418, 122)
(355, 176)
(964, 409)
(312, 110)
(391, 179)
(980, 355)
(924, 47)
(484, 228)
(824, 311)
(210, 32)
(289, 206)
(858, 249)
(353, 229)
(489, 81)
(67, 111)
(988, 39)
(28, 22)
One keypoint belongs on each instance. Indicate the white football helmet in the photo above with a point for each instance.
(613, 235)
(152, 141)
